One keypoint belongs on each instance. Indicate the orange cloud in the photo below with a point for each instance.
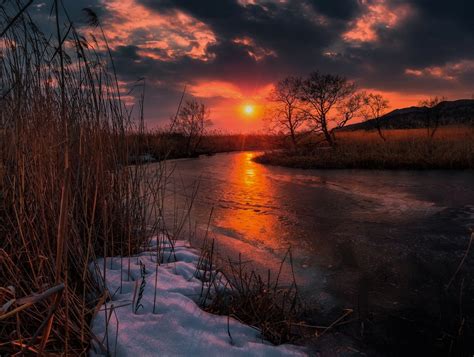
(256, 52)
(414, 72)
(247, 2)
(228, 90)
(450, 71)
(216, 89)
(158, 36)
(378, 13)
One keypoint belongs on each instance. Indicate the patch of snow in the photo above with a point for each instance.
(177, 326)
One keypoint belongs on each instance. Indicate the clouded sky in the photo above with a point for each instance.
(229, 52)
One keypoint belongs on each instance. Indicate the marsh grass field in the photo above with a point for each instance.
(66, 196)
(450, 148)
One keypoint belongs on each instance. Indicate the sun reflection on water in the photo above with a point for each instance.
(250, 172)
(249, 207)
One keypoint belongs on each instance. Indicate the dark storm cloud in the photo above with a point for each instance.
(342, 9)
(42, 13)
(291, 31)
(435, 32)
(295, 39)
(419, 46)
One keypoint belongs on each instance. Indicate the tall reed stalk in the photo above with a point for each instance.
(67, 194)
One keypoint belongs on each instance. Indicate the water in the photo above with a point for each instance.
(393, 237)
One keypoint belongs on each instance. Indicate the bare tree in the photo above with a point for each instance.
(331, 101)
(374, 107)
(192, 122)
(285, 113)
(433, 113)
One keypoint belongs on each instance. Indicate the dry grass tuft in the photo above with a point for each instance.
(236, 290)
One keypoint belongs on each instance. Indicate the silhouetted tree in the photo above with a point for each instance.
(374, 107)
(192, 122)
(331, 101)
(285, 113)
(433, 112)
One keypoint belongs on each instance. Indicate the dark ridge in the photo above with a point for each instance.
(456, 112)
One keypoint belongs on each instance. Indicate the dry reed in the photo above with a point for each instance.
(67, 194)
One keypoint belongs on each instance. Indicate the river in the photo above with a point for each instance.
(391, 238)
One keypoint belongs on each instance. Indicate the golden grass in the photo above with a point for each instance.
(66, 195)
(450, 148)
(449, 133)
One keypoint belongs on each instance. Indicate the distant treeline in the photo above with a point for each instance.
(161, 145)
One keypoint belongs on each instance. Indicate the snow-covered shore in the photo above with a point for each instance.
(177, 326)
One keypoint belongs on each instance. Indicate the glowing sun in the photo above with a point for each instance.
(249, 109)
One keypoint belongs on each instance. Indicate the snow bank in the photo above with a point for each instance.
(177, 327)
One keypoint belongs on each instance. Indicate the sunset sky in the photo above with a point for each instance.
(229, 52)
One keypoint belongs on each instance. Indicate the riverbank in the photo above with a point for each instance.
(158, 146)
(451, 148)
(154, 308)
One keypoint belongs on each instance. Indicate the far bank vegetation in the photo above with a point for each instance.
(311, 115)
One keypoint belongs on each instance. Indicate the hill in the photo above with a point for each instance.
(457, 112)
